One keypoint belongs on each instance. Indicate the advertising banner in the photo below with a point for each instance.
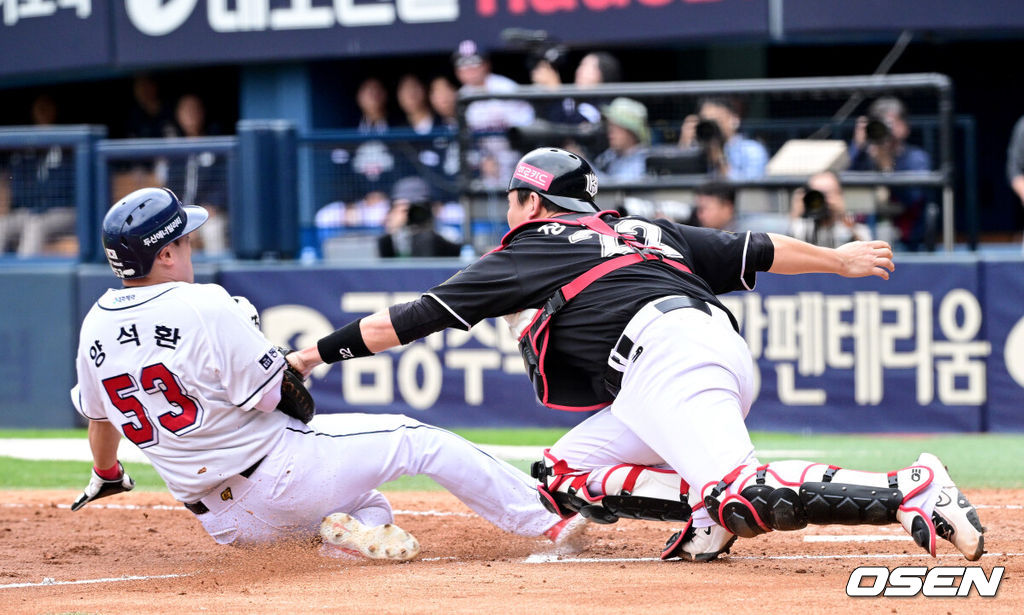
(44, 35)
(451, 378)
(1004, 327)
(845, 16)
(923, 352)
(154, 31)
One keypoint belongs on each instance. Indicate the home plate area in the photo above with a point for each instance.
(142, 552)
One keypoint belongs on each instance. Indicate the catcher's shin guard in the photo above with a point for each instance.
(753, 500)
(607, 494)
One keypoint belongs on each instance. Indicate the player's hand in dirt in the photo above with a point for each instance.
(863, 258)
(100, 487)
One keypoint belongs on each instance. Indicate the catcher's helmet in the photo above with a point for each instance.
(138, 226)
(559, 176)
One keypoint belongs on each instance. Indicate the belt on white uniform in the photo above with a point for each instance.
(620, 356)
(198, 508)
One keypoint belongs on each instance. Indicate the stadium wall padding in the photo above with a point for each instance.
(938, 348)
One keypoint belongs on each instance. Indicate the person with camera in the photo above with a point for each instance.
(715, 129)
(628, 141)
(409, 226)
(880, 144)
(818, 214)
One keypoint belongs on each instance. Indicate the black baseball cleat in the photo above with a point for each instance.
(698, 544)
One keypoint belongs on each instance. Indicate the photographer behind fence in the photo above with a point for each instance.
(715, 130)
(818, 214)
(409, 226)
(879, 144)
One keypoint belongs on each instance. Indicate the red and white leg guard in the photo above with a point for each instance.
(788, 495)
(606, 494)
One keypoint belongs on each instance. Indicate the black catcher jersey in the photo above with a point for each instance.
(537, 258)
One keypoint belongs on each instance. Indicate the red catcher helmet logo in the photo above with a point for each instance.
(532, 175)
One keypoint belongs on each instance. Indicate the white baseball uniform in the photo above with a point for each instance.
(184, 375)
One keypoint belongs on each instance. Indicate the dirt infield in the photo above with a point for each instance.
(56, 561)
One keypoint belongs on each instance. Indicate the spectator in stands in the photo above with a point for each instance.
(409, 227)
(367, 213)
(716, 206)
(879, 144)
(818, 214)
(1015, 160)
(546, 67)
(412, 99)
(443, 95)
(596, 68)
(200, 178)
(372, 99)
(39, 216)
(730, 154)
(628, 141)
(149, 117)
(473, 69)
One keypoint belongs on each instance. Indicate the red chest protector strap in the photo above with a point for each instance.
(533, 343)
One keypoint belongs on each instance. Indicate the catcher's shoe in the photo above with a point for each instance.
(386, 541)
(568, 532)
(953, 519)
(698, 544)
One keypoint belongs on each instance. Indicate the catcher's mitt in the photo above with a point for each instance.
(295, 398)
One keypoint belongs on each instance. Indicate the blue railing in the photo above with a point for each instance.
(277, 180)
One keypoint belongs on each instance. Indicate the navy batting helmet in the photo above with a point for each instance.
(138, 226)
(559, 176)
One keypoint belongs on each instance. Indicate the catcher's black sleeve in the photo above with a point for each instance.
(760, 252)
(420, 318)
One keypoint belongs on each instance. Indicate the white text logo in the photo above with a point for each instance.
(940, 581)
(161, 17)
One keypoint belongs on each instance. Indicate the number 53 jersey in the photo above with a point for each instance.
(178, 368)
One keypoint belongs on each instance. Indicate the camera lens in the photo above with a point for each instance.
(814, 204)
(707, 130)
(876, 130)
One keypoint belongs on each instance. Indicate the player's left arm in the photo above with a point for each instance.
(359, 338)
(856, 259)
(108, 475)
(459, 302)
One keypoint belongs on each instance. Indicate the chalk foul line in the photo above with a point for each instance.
(49, 581)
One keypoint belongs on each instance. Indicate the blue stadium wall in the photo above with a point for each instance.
(939, 348)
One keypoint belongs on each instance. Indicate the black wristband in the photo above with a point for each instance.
(345, 343)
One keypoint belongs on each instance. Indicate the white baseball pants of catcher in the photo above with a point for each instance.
(682, 404)
(310, 474)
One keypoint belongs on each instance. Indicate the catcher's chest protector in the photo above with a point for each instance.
(533, 342)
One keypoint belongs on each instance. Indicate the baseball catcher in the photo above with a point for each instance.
(621, 314)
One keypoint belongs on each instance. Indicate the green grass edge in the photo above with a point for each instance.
(974, 460)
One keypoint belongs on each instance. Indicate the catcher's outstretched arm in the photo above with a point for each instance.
(359, 338)
(856, 259)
